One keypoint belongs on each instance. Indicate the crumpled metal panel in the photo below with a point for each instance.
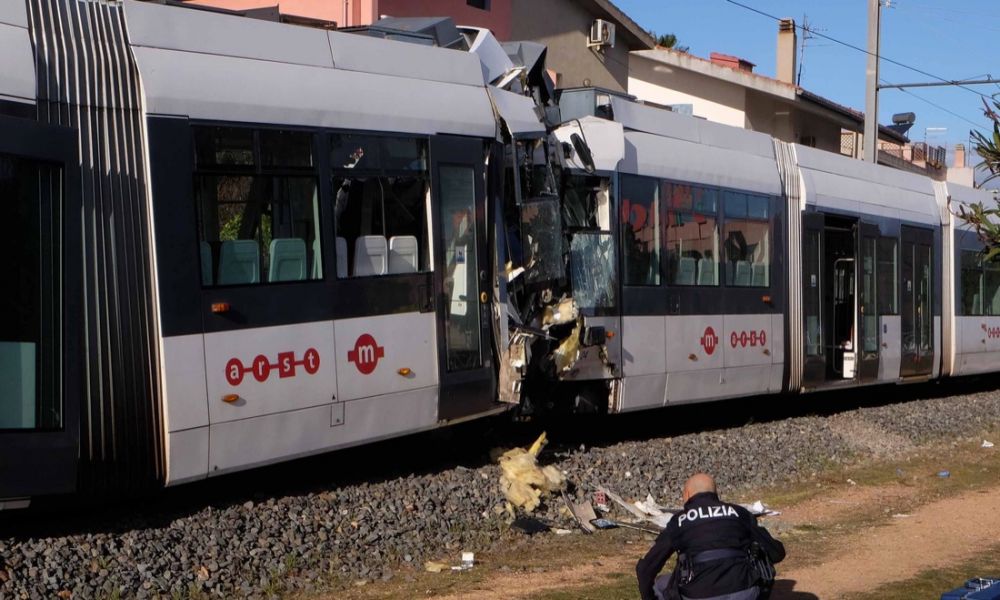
(518, 113)
(386, 57)
(606, 140)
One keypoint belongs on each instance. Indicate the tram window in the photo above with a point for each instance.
(887, 274)
(224, 146)
(980, 285)
(286, 149)
(640, 206)
(692, 234)
(586, 203)
(381, 201)
(258, 206)
(30, 372)
(747, 234)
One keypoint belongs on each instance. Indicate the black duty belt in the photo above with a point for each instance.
(720, 554)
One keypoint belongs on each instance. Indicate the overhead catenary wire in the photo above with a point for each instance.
(863, 50)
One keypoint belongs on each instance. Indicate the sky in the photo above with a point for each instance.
(950, 39)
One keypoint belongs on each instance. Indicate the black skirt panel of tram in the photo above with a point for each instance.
(121, 445)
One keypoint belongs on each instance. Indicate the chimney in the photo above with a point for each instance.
(960, 156)
(787, 42)
(733, 62)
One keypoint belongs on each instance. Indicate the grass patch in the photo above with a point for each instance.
(934, 582)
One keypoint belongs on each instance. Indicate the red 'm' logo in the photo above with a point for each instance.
(709, 341)
(366, 354)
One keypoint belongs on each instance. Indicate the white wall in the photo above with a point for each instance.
(711, 99)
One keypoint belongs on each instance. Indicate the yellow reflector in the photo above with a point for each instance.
(220, 307)
(404, 372)
(230, 398)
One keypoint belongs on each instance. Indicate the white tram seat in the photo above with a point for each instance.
(686, 271)
(403, 253)
(370, 255)
(759, 278)
(742, 276)
(239, 262)
(341, 257)
(288, 260)
(706, 271)
(206, 263)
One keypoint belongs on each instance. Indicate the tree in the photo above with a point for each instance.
(669, 40)
(986, 221)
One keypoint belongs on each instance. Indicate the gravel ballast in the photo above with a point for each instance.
(295, 541)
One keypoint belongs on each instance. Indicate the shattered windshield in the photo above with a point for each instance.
(542, 240)
(592, 270)
(586, 203)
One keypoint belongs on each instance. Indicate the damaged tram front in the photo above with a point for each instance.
(562, 297)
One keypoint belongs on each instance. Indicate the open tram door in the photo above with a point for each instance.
(40, 351)
(831, 301)
(461, 276)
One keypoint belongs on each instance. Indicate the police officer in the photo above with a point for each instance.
(711, 539)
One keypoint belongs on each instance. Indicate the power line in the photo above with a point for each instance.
(941, 108)
(859, 49)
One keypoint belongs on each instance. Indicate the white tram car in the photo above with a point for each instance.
(237, 242)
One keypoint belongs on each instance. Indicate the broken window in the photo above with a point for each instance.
(542, 241)
(586, 203)
(592, 270)
(381, 195)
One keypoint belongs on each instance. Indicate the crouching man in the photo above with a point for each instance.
(715, 544)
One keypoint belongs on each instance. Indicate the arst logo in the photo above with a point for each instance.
(709, 341)
(262, 367)
(366, 354)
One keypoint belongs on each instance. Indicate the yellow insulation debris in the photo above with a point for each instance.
(523, 482)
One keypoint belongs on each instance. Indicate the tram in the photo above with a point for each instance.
(238, 242)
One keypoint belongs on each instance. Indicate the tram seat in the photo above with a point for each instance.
(206, 263)
(239, 262)
(706, 271)
(288, 260)
(686, 271)
(342, 257)
(742, 277)
(370, 255)
(759, 278)
(403, 253)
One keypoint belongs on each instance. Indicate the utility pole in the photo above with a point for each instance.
(871, 89)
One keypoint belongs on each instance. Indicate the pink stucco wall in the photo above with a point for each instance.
(497, 18)
(350, 13)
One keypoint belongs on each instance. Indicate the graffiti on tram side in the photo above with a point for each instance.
(261, 368)
(366, 354)
(748, 338)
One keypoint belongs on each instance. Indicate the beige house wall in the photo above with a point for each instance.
(564, 27)
(710, 98)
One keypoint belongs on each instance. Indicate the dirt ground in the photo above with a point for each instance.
(874, 527)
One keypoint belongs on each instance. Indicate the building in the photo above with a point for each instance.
(960, 172)
(726, 89)
(565, 26)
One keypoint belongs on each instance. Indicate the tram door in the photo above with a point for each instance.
(917, 318)
(39, 311)
(868, 340)
(814, 365)
(461, 279)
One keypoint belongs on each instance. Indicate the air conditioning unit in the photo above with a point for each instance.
(602, 33)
